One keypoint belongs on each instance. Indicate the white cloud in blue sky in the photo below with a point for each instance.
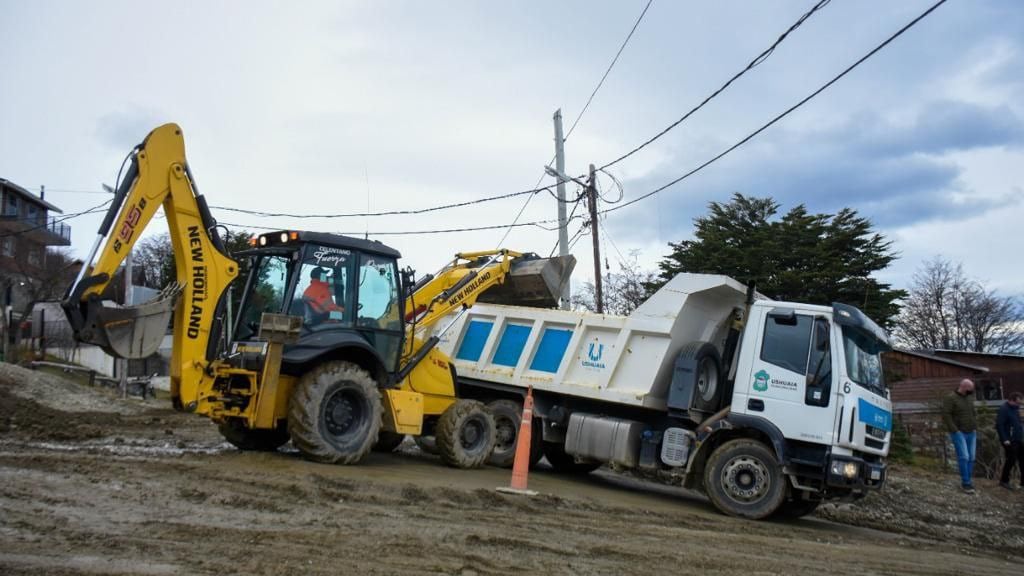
(336, 107)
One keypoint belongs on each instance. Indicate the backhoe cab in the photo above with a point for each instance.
(329, 347)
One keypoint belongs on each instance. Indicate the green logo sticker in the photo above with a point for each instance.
(761, 381)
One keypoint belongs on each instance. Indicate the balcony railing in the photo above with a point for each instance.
(59, 229)
(48, 231)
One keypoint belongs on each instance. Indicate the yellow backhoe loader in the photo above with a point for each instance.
(333, 346)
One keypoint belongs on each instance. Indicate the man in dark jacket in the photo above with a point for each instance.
(1011, 435)
(962, 424)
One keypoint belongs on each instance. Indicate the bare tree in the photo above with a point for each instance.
(623, 291)
(948, 310)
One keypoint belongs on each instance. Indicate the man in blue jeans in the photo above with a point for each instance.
(962, 424)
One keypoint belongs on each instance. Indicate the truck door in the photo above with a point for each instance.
(792, 383)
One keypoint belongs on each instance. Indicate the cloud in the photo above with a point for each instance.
(897, 171)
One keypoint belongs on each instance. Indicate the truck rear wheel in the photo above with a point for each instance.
(334, 415)
(243, 438)
(742, 478)
(508, 415)
(465, 434)
(562, 461)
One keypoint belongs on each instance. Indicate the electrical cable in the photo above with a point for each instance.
(753, 64)
(789, 110)
(535, 223)
(608, 71)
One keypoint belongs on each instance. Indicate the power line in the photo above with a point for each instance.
(608, 71)
(535, 223)
(753, 64)
(533, 191)
(753, 134)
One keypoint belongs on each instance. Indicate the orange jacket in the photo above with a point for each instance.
(318, 294)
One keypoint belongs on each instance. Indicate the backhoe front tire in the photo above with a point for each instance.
(243, 438)
(465, 434)
(334, 415)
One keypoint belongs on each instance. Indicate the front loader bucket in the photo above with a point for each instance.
(129, 331)
(533, 281)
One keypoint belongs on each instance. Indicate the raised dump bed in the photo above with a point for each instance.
(625, 360)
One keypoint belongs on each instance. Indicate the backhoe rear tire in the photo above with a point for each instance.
(243, 438)
(334, 415)
(465, 434)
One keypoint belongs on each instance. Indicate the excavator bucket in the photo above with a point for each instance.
(533, 281)
(129, 331)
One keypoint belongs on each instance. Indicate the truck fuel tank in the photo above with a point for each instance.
(605, 439)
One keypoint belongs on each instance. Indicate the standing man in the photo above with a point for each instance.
(1011, 434)
(962, 424)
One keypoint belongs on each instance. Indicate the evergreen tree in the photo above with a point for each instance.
(801, 257)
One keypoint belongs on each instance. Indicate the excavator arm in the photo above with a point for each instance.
(158, 175)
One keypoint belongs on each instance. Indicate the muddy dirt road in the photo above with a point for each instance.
(94, 485)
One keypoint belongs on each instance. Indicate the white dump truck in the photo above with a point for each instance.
(768, 407)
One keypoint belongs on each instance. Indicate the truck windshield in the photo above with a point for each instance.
(863, 359)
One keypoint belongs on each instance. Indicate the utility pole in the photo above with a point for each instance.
(592, 204)
(563, 224)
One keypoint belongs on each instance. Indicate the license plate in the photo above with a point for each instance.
(876, 474)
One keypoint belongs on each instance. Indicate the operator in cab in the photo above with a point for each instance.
(319, 298)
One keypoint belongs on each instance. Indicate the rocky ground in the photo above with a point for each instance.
(91, 484)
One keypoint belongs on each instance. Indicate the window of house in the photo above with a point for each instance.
(33, 211)
(11, 205)
(787, 343)
(33, 257)
(8, 247)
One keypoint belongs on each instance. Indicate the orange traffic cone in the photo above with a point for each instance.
(521, 464)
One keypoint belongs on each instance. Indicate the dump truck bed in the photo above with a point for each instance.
(621, 359)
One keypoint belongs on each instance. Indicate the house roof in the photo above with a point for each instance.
(979, 354)
(944, 360)
(12, 187)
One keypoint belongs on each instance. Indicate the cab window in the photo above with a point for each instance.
(378, 294)
(269, 282)
(787, 342)
(323, 290)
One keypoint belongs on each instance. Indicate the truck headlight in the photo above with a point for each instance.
(848, 470)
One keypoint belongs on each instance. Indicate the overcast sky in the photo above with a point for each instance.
(342, 107)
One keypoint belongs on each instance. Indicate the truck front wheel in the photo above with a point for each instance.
(742, 478)
(334, 415)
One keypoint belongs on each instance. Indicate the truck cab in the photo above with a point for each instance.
(814, 373)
